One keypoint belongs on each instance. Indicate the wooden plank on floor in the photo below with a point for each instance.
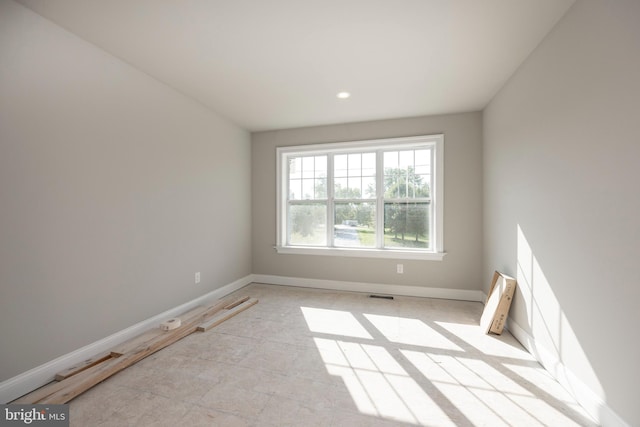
(134, 342)
(85, 364)
(236, 303)
(83, 381)
(42, 392)
(226, 314)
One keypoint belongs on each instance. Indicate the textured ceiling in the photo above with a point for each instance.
(276, 64)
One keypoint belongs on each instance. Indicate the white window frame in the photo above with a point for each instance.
(434, 142)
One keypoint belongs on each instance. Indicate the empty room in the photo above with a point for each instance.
(337, 213)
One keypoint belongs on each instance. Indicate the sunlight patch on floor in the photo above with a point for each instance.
(538, 375)
(442, 372)
(490, 346)
(402, 330)
(450, 386)
(378, 384)
(334, 322)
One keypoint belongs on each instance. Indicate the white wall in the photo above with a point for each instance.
(114, 190)
(461, 267)
(562, 203)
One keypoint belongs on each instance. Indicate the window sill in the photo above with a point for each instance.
(361, 253)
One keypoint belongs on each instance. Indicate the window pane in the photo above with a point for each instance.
(308, 190)
(321, 166)
(355, 164)
(308, 167)
(321, 188)
(406, 225)
(369, 187)
(406, 159)
(360, 168)
(295, 189)
(340, 165)
(307, 177)
(423, 157)
(295, 168)
(369, 164)
(307, 224)
(423, 169)
(341, 188)
(395, 183)
(355, 188)
(423, 185)
(423, 162)
(411, 175)
(394, 176)
(391, 159)
(354, 225)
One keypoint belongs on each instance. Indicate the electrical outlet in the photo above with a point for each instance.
(197, 277)
(400, 268)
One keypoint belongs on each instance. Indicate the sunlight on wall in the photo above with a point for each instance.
(556, 344)
(538, 299)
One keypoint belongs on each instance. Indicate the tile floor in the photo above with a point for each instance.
(304, 357)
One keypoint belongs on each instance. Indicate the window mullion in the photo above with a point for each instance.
(434, 235)
(330, 201)
(379, 199)
(285, 222)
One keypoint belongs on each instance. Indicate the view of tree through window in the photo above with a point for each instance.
(308, 201)
(407, 183)
(355, 200)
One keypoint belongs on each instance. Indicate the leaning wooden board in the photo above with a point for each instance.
(130, 352)
(498, 303)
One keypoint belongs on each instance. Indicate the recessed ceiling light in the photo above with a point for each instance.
(343, 95)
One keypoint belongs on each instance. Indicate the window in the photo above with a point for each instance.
(379, 198)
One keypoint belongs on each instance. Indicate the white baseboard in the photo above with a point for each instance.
(585, 396)
(23, 383)
(375, 288)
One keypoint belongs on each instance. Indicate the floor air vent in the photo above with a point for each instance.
(381, 296)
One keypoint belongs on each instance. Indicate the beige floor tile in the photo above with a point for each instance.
(227, 348)
(353, 419)
(235, 400)
(139, 409)
(198, 416)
